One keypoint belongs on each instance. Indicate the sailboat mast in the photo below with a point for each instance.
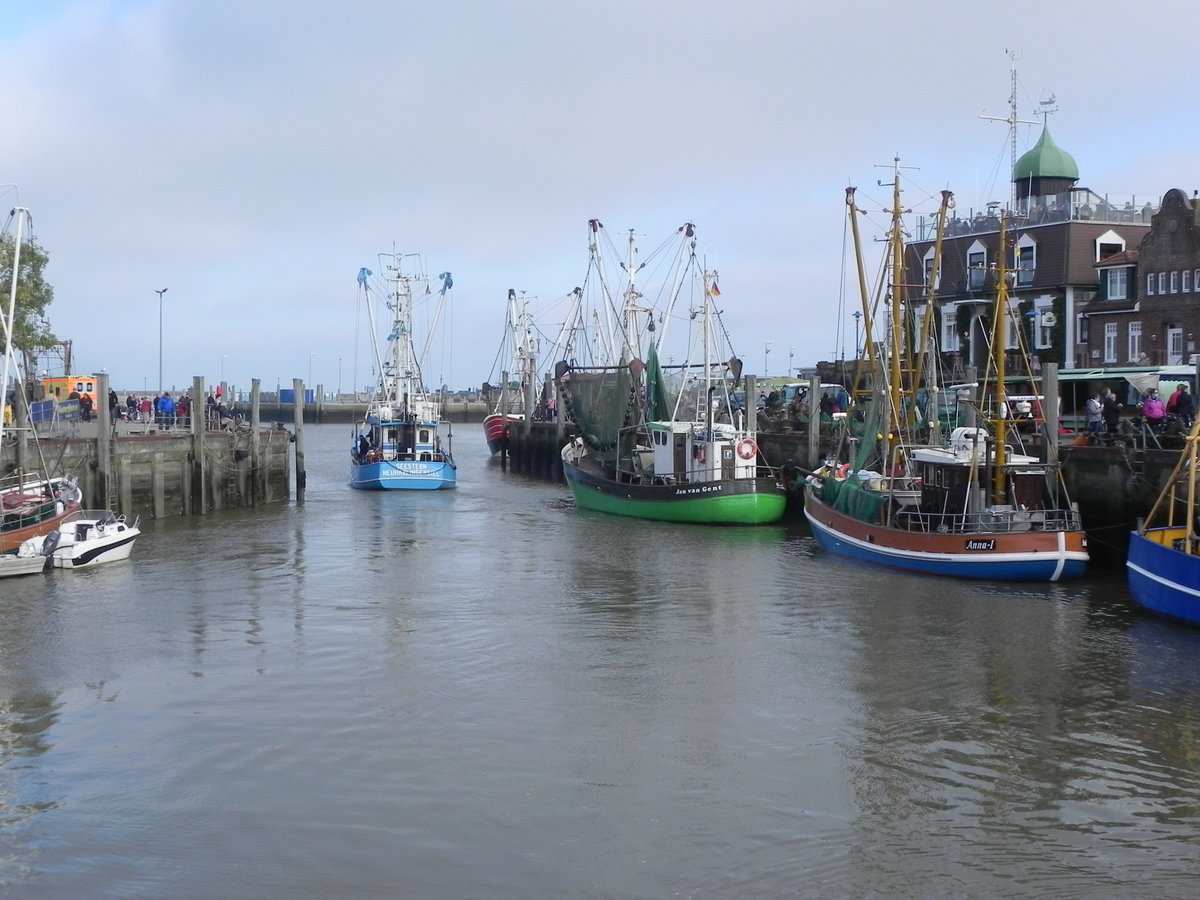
(10, 316)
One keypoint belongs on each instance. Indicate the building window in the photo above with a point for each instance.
(1149, 285)
(977, 266)
(1196, 280)
(1026, 260)
(1162, 282)
(1174, 282)
(949, 323)
(1135, 341)
(1110, 342)
(1186, 287)
(1043, 323)
(928, 265)
(1117, 289)
(1081, 328)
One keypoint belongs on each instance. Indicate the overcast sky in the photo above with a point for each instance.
(251, 155)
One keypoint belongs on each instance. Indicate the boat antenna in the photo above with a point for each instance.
(1013, 122)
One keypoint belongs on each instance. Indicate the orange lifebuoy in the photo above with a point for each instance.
(843, 470)
(747, 449)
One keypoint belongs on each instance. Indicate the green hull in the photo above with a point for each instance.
(747, 501)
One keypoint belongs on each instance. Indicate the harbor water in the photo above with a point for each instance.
(487, 693)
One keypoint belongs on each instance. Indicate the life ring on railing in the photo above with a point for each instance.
(747, 449)
(843, 470)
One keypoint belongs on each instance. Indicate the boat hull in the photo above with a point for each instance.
(11, 564)
(403, 475)
(94, 553)
(496, 428)
(36, 519)
(742, 501)
(999, 556)
(1162, 579)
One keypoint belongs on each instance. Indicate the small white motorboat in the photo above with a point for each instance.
(87, 538)
(25, 561)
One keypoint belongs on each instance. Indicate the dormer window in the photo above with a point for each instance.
(977, 265)
(1026, 259)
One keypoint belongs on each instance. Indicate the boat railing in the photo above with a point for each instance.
(996, 519)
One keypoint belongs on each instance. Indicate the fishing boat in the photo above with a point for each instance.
(977, 503)
(514, 395)
(30, 504)
(1163, 565)
(89, 537)
(664, 441)
(398, 443)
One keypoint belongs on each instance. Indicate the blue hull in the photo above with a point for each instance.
(403, 476)
(1164, 580)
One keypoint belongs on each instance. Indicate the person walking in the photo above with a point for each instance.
(1095, 415)
(1111, 411)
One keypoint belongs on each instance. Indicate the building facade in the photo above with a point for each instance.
(1056, 237)
(1147, 304)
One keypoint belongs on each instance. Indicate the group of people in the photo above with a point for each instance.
(1104, 410)
(163, 411)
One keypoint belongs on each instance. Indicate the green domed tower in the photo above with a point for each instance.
(1045, 169)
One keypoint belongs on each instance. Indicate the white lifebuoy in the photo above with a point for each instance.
(747, 449)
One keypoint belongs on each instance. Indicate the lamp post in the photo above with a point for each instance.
(791, 357)
(160, 381)
(339, 378)
(766, 351)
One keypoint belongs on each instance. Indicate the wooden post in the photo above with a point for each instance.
(258, 484)
(298, 417)
(814, 421)
(104, 427)
(529, 405)
(200, 486)
(1050, 409)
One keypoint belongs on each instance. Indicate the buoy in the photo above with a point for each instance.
(747, 449)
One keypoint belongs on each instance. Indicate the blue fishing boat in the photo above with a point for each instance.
(398, 444)
(1163, 564)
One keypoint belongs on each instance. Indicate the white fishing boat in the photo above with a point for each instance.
(89, 537)
(398, 444)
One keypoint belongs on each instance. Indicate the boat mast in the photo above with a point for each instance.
(896, 309)
(864, 290)
(999, 323)
(922, 349)
(10, 316)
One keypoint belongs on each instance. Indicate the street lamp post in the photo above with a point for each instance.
(791, 357)
(766, 351)
(310, 358)
(160, 381)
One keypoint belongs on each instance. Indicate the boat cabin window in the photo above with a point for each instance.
(424, 439)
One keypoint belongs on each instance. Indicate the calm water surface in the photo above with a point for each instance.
(485, 693)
